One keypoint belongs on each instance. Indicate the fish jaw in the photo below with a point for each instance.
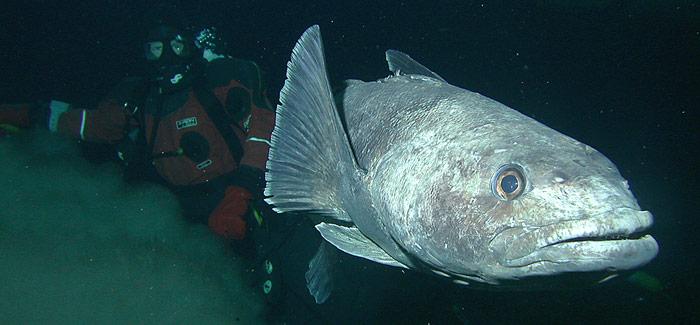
(608, 241)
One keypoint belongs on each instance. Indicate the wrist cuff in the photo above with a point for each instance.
(56, 108)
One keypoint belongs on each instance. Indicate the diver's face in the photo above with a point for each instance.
(154, 50)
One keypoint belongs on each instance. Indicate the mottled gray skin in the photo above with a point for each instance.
(431, 151)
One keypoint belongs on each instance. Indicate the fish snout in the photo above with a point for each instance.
(613, 239)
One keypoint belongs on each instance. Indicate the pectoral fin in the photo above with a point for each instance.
(353, 242)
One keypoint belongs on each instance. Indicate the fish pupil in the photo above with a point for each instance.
(509, 184)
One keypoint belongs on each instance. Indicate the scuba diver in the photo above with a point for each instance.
(198, 120)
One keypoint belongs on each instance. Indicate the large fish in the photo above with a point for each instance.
(416, 173)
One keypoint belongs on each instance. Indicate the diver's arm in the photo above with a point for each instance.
(106, 124)
(229, 218)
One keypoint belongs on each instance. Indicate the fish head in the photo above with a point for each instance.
(538, 204)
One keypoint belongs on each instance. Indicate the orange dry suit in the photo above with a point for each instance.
(208, 141)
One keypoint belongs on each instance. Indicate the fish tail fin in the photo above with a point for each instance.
(310, 151)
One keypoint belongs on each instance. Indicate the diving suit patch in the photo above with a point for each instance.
(186, 123)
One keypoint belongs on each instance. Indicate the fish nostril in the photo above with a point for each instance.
(559, 177)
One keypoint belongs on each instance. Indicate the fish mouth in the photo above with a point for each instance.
(613, 240)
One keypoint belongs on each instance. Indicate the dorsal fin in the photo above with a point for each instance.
(400, 63)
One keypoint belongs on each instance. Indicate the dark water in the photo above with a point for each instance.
(621, 76)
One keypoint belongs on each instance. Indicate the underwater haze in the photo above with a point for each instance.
(79, 245)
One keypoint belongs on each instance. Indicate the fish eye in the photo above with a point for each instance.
(508, 183)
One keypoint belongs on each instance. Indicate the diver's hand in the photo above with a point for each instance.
(228, 219)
